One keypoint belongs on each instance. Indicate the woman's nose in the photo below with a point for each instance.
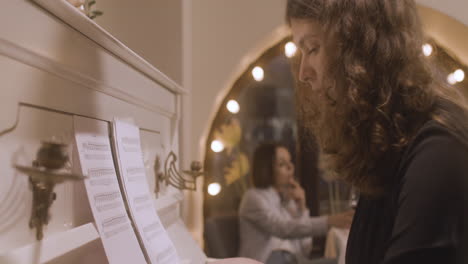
(302, 77)
(306, 72)
(302, 70)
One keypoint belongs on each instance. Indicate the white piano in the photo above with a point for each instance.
(55, 64)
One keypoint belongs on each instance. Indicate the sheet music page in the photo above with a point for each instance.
(94, 150)
(159, 247)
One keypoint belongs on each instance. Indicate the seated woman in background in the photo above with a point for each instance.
(273, 214)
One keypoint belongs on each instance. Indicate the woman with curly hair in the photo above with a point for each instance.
(386, 126)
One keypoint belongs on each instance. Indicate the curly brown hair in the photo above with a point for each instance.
(383, 88)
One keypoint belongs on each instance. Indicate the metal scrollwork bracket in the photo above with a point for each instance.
(45, 172)
(171, 175)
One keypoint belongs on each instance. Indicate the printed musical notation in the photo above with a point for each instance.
(102, 176)
(135, 170)
(100, 172)
(165, 255)
(141, 199)
(118, 230)
(97, 157)
(102, 187)
(136, 179)
(110, 206)
(131, 141)
(105, 181)
(96, 146)
(106, 197)
(114, 220)
(143, 202)
(136, 174)
(153, 230)
(150, 230)
(130, 144)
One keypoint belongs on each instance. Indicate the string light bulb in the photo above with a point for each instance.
(459, 75)
(233, 106)
(456, 77)
(290, 49)
(451, 79)
(214, 188)
(217, 146)
(258, 73)
(427, 49)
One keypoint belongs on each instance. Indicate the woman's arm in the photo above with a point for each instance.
(256, 210)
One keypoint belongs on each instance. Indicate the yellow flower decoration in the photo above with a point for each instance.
(239, 167)
(230, 134)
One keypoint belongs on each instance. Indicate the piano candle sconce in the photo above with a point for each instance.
(45, 172)
(171, 176)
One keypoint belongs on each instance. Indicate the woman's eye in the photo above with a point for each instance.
(313, 50)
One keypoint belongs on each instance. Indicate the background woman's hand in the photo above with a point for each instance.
(342, 220)
(296, 192)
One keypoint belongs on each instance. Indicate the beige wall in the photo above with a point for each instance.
(151, 28)
(443, 22)
(456, 9)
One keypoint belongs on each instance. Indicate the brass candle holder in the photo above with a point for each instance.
(171, 175)
(44, 174)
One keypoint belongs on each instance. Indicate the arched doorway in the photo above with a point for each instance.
(259, 107)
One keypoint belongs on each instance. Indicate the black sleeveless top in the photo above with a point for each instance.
(423, 219)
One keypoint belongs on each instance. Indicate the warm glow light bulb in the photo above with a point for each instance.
(427, 49)
(217, 146)
(233, 106)
(290, 49)
(459, 75)
(451, 79)
(258, 73)
(214, 188)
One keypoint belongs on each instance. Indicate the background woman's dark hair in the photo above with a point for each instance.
(385, 90)
(262, 164)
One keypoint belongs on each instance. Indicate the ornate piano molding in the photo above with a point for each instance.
(31, 58)
(77, 20)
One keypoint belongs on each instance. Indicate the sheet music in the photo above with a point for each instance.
(95, 158)
(159, 247)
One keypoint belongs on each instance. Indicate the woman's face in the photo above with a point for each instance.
(322, 93)
(283, 168)
(310, 39)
